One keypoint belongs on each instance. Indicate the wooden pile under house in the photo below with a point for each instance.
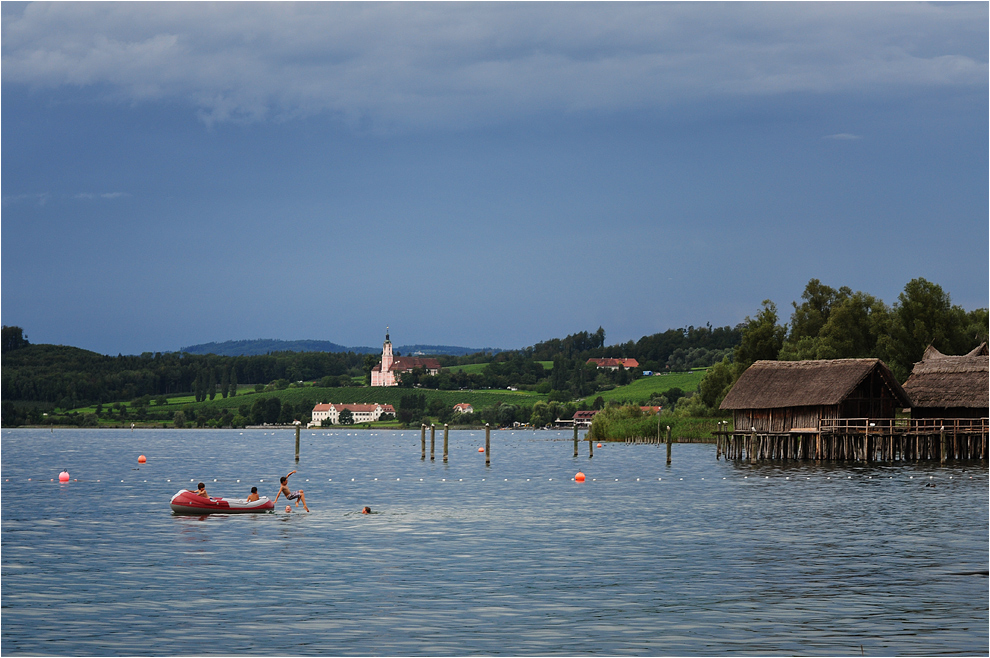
(950, 387)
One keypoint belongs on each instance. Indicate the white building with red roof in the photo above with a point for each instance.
(360, 413)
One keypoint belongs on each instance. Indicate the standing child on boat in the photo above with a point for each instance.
(297, 496)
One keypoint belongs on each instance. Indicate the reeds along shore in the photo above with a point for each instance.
(938, 439)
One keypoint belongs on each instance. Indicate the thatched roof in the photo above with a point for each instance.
(944, 381)
(779, 384)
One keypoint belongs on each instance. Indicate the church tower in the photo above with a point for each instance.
(386, 353)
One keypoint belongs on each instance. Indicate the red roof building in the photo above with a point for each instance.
(613, 364)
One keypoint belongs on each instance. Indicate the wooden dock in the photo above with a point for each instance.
(864, 440)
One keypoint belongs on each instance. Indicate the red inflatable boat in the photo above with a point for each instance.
(188, 502)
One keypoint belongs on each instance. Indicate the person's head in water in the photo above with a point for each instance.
(254, 489)
(366, 510)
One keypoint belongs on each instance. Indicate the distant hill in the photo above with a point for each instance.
(266, 345)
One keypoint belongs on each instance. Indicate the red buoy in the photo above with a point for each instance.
(63, 476)
(142, 459)
(481, 449)
(579, 477)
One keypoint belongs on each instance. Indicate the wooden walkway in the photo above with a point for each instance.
(863, 439)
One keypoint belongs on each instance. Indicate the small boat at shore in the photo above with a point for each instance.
(188, 502)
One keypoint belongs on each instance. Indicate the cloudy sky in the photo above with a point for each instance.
(479, 174)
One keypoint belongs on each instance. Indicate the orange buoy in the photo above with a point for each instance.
(481, 449)
(63, 476)
(599, 445)
(579, 477)
(142, 459)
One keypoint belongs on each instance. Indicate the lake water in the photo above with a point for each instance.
(701, 557)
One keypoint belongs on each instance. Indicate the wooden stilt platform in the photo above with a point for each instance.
(863, 439)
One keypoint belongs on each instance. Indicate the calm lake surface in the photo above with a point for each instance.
(702, 557)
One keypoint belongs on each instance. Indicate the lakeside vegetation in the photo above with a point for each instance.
(52, 384)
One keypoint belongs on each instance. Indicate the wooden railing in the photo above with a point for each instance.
(926, 426)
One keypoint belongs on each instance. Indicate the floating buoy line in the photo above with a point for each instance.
(63, 478)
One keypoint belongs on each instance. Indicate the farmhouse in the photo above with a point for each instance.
(360, 413)
(389, 371)
(614, 364)
(584, 418)
(943, 386)
(797, 396)
(463, 408)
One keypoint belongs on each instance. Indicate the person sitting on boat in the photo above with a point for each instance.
(254, 495)
(297, 496)
(201, 491)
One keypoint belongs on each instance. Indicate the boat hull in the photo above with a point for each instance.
(187, 502)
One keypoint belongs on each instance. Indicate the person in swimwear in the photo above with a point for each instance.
(254, 495)
(201, 491)
(366, 510)
(297, 496)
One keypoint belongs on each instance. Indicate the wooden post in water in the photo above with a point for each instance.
(445, 432)
(297, 442)
(433, 440)
(752, 446)
(575, 439)
(944, 446)
(591, 446)
(488, 444)
(670, 438)
(422, 441)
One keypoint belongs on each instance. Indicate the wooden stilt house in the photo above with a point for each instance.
(779, 397)
(943, 386)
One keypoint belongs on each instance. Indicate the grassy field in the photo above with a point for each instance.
(641, 389)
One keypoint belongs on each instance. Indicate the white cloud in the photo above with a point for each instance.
(463, 64)
(104, 195)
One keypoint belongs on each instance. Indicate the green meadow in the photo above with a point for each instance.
(641, 389)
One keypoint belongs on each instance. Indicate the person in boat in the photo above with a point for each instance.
(254, 495)
(297, 496)
(201, 491)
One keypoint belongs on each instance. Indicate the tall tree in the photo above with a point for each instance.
(924, 315)
(762, 338)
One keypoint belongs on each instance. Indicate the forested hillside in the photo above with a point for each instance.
(828, 323)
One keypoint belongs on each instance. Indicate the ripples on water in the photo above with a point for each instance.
(712, 558)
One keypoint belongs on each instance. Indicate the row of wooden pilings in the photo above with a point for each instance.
(863, 447)
(488, 443)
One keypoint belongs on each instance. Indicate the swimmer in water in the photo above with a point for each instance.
(297, 496)
(366, 510)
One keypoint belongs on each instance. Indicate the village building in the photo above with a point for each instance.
(389, 371)
(614, 364)
(360, 413)
(463, 408)
(776, 397)
(584, 418)
(943, 386)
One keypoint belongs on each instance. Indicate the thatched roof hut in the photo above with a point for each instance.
(787, 396)
(943, 386)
